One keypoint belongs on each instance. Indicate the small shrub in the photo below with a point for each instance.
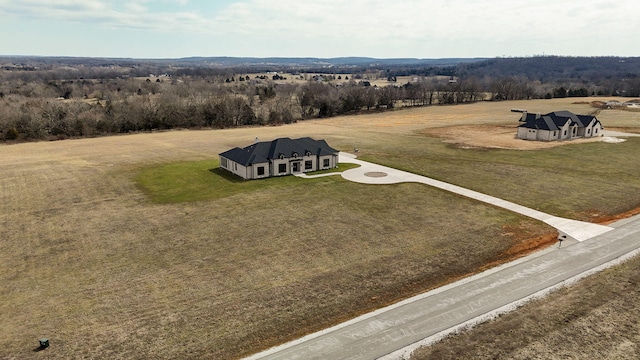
(11, 134)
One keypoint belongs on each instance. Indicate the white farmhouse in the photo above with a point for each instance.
(558, 125)
(282, 156)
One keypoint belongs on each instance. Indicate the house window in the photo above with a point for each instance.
(565, 133)
(260, 170)
(595, 131)
(235, 166)
(589, 132)
(325, 163)
(223, 162)
(282, 168)
(308, 165)
(295, 155)
(555, 133)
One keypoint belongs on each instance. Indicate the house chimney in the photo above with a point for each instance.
(524, 116)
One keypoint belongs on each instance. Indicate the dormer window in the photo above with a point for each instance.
(308, 153)
(281, 156)
(295, 155)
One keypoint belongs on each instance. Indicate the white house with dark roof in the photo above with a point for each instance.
(282, 156)
(558, 125)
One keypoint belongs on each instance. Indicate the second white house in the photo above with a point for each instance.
(558, 125)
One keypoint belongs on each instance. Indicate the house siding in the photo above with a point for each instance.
(582, 132)
(235, 168)
(522, 133)
(275, 167)
(254, 171)
(528, 134)
(593, 129)
(565, 131)
(314, 163)
(545, 135)
(333, 162)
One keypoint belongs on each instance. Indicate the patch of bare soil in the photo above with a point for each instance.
(608, 219)
(524, 248)
(492, 136)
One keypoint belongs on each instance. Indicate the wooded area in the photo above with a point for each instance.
(58, 98)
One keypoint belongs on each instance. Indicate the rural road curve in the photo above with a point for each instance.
(395, 331)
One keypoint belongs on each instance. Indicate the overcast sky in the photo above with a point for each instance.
(319, 28)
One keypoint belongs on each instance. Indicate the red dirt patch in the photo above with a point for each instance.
(523, 248)
(608, 219)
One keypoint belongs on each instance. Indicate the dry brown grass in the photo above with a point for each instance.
(88, 261)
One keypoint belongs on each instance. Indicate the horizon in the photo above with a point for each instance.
(323, 29)
(313, 58)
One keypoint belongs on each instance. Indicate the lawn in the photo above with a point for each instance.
(204, 180)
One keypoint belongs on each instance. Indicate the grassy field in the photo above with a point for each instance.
(110, 249)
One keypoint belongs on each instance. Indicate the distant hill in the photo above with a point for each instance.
(224, 61)
(339, 61)
(556, 68)
(537, 68)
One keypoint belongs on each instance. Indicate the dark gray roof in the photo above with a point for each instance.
(262, 152)
(554, 120)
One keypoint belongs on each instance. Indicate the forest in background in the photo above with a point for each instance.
(57, 98)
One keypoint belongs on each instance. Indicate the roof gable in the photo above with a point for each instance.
(555, 120)
(265, 151)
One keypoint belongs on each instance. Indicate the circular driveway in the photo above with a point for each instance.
(369, 173)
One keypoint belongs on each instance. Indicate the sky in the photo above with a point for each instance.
(319, 28)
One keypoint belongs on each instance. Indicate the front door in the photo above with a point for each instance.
(295, 167)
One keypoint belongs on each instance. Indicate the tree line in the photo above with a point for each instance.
(58, 109)
(57, 101)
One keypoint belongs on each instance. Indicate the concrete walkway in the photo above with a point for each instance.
(618, 134)
(369, 173)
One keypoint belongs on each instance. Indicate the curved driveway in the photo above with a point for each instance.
(369, 173)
